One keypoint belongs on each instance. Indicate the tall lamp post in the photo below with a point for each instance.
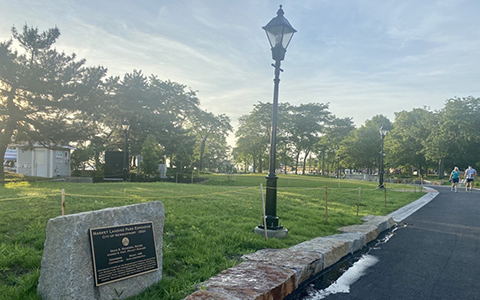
(383, 132)
(279, 33)
(125, 128)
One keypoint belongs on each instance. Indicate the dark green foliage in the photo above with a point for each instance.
(151, 153)
(47, 96)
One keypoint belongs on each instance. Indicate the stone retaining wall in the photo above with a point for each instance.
(270, 274)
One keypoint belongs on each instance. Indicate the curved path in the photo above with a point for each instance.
(434, 255)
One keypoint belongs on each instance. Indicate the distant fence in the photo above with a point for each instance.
(368, 177)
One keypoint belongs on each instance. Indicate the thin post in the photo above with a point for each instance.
(359, 195)
(264, 215)
(176, 177)
(192, 175)
(63, 202)
(326, 202)
(385, 193)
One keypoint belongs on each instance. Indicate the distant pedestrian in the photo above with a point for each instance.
(469, 176)
(454, 177)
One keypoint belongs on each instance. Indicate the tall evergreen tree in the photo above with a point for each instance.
(46, 96)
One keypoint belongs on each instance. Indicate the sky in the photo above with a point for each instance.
(364, 57)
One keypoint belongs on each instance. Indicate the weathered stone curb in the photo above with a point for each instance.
(275, 273)
(249, 280)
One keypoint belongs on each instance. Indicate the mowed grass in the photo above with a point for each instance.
(208, 226)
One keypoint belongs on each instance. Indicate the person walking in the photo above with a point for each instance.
(469, 176)
(454, 178)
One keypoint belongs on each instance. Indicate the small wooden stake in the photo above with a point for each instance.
(264, 216)
(358, 202)
(326, 202)
(385, 192)
(63, 202)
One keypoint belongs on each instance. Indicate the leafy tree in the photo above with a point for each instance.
(241, 155)
(151, 154)
(328, 145)
(182, 158)
(210, 130)
(253, 134)
(454, 137)
(217, 157)
(45, 96)
(362, 148)
(80, 158)
(152, 107)
(308, 122)
(406, 142)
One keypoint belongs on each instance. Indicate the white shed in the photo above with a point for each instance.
(44, 162)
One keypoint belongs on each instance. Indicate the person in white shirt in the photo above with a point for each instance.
(469, 176)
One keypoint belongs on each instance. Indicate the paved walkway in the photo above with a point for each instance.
(435, 256)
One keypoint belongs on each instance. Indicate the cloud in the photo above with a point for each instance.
(363, 57)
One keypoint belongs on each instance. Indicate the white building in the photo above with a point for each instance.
(44, 162)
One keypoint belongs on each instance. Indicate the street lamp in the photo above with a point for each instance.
(382, 132)
(279, 33)
(125, 128)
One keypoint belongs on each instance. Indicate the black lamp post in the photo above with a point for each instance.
(383, 132)
(125, 128)
(279, 33)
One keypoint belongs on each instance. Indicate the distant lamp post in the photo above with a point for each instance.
(382, 132)
(125, 128)
(338, 170)
(279, 33)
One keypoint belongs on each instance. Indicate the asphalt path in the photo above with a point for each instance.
(435, 254)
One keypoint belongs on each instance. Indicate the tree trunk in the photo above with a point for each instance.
(3, 149)
(305, 162)
(296, 162)
(10, 125)
(441, 168)
(202, 151)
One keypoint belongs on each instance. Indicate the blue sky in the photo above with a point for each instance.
(363, 57)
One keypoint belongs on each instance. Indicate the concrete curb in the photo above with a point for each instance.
(402, 213)
(275, 273)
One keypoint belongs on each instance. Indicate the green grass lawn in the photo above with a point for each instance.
(208, 226)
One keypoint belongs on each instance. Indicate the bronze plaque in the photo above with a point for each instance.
(121, 252)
